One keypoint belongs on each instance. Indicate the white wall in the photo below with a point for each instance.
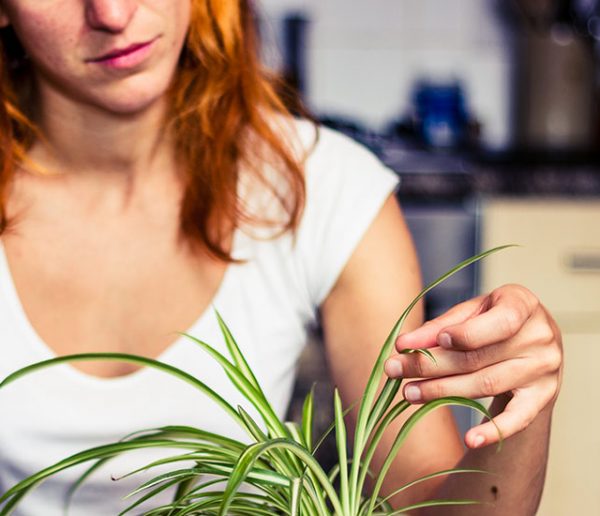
(365, 55)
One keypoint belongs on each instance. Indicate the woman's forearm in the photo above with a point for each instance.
(514, 485)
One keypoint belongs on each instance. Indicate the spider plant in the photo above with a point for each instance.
(279, 463)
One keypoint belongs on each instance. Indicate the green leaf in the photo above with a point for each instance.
(433, 503)
(331, 428)
(425, 352)
(254, 396)
(308, 410)
(251, 426)
(219, 443)
(361, 436)
(376, 437)
(296, 486)
(237, 356)
(410, 423)
(99, 452)
(79, 482)
(286, 465)
(124, 357)
(178, 475)
(384, 400)
(453, 471)
(160, 487)
(253, 452)
(341, 443)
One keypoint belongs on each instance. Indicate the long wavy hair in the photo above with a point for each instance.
(224, 105)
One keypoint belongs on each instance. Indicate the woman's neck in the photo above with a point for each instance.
(83, 139)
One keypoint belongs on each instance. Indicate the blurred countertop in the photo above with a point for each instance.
(431, 175)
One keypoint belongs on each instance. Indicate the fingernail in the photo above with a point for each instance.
(393, 368)
(444, 340)
(478, 440)
(412, 393)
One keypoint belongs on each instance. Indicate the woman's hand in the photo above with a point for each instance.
(502, 344)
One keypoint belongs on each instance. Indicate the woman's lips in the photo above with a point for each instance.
(124, 58)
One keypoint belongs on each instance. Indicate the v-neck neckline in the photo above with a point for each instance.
(42, 351)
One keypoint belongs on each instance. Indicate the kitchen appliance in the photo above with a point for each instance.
(555, 89)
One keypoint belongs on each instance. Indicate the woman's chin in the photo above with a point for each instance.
(132, 104)
(126, 97)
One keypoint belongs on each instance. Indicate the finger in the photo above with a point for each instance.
(490, 381)
(447, 362)
(426, 336)
(518, 414)
(503, 319)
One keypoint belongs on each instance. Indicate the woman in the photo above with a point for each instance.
(148, 171)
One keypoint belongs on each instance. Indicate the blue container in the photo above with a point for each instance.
(440, 114)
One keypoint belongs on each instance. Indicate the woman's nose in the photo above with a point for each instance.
(110, 15)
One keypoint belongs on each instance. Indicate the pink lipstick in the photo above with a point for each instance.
(124, 58)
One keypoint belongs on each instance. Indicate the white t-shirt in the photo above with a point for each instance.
(269, 302)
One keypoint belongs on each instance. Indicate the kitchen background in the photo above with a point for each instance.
(363, 57)
(488, 110)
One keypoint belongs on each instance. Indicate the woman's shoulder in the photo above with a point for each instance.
(346, 187)
(333, 158)
(316, 142)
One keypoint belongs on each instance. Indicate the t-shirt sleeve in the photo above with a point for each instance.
(346, 187)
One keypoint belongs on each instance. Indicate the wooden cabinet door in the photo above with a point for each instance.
(573, 478)
(560, 261)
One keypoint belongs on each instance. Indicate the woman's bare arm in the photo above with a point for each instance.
(377, 284)
(380, 279)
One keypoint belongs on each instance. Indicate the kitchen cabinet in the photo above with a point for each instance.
(560, 261)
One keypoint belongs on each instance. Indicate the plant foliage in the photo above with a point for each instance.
(279, 463)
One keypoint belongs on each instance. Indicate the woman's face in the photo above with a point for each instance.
(117, 55)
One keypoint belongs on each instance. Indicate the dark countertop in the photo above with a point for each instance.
(434, 175)
(518, 182)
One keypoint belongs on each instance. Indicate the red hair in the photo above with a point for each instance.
(223, 109)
